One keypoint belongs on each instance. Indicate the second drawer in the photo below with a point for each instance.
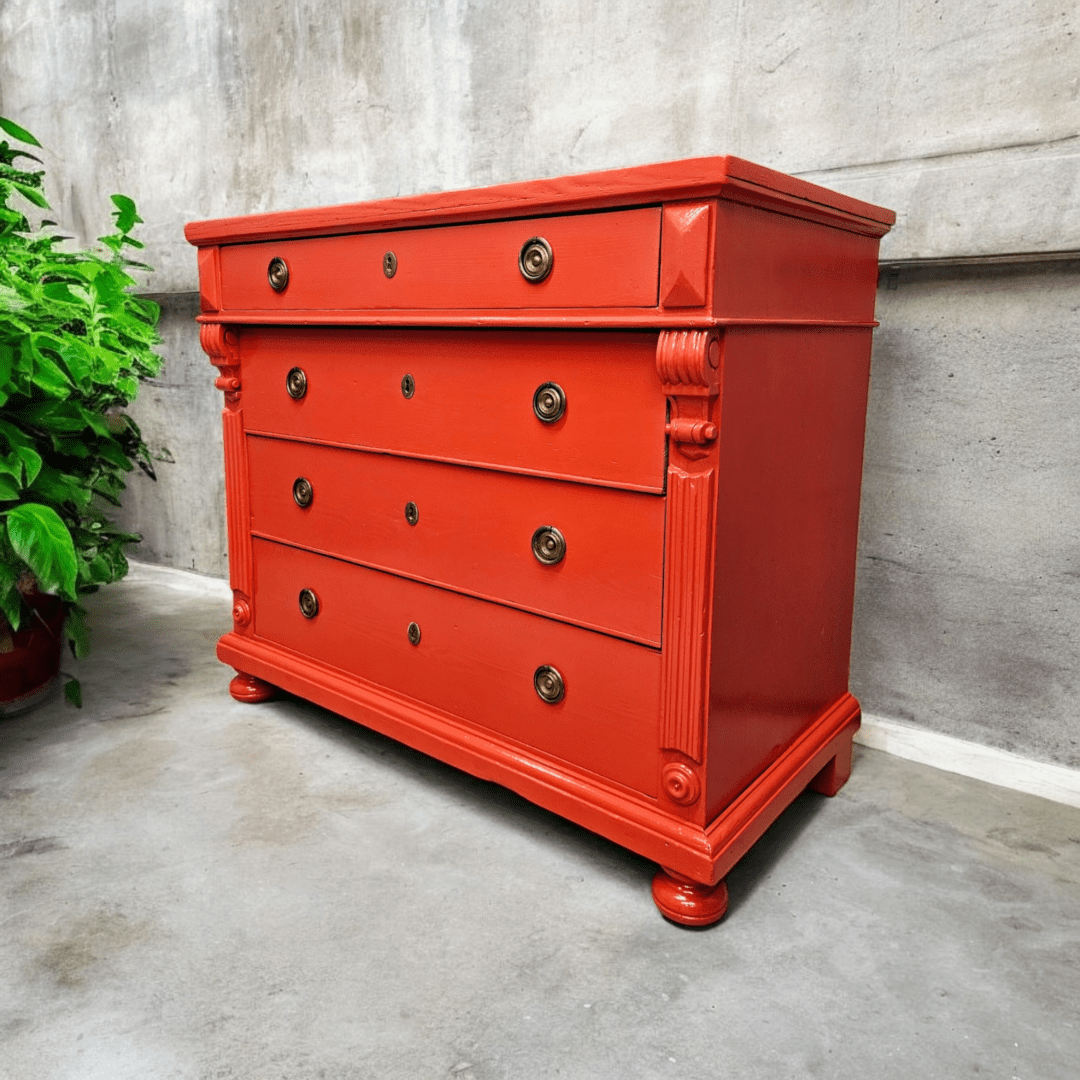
(471, 530)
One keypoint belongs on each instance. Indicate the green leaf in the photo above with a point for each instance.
(11, 465)
(31, 460)
(73, 693)
(61, 488)
(17, 132)
(10, 600)
(126, 217)
(128, 386)
(7, 359)
(31, 194)
(15, 436)
(42, 541)
(9, 489)
(76, 631)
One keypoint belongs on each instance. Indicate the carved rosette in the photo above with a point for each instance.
(241, 611)
(222, 345)
(680, 783)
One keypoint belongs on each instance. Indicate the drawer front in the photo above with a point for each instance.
(474, 659)
(470, 397)
(599, 260)
(470, 529)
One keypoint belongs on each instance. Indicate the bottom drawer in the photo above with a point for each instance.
(474, 659)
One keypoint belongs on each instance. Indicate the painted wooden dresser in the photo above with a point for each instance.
(559, 482)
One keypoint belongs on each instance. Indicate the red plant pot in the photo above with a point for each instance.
(35, 660)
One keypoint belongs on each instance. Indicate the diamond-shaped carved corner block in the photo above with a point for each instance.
(684, 255)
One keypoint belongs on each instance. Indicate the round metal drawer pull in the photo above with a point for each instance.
(536, 259)
(296, 383)
(412, 513)
(414, 634)
(309, 604)
(548, 545)
(408, 385)
(277, 273)
(389, 264)
(302, 491)
(549, 684)
(549, 402)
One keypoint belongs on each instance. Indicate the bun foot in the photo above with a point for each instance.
(687, 902)
(248, 688)
(836, 772)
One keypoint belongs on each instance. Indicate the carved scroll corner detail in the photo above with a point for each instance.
(221, 343)
(688, 362)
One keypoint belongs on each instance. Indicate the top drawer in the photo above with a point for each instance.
(599, 260)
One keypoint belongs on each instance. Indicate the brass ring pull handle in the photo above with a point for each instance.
(549, 684)
(548, 545)
(277, 273)
(535, 259)
(309, 604)
(549, 402)
(296, 383)
(302, 492)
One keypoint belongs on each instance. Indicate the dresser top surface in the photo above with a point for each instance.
(723, 177)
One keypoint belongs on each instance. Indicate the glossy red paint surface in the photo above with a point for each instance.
(475, 660)
(473, 398)
(685, 901)
(460, 266)
(473, 530)
(709, 323)
(787, 525)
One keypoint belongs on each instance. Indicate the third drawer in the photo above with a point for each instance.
(471, 530)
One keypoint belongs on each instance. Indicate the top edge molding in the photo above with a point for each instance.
(720, 177)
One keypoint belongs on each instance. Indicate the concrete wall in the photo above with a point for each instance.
(967, 615)
(963, 116)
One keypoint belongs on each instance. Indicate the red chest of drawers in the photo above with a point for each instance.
(559, 482)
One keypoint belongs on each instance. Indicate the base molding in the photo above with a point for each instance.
(975, 760)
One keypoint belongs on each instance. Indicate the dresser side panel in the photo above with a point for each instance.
(793, 414)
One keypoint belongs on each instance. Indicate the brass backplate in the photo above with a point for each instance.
(277, 274)
(549, 684)
(549, 402)
(548, 545)
(535, 259)
(302, 491)
(296, 383)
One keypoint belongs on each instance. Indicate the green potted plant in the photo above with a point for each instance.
(74, 344)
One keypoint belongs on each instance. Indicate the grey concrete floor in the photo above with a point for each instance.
(194, 888)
